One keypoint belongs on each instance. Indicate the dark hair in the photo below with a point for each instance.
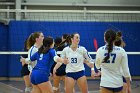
(47, 42)
(25, 45)
(118, 40)
(58, 44)
(57, 41)
(72, 35)
(110, 36)
(119, 34)
(65, 36)
(67, 39)
(32, 39)
(25, 49)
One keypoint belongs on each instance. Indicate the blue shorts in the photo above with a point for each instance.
(114, 89)
(38, 77)
(76, 75)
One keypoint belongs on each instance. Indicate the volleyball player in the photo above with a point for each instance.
(34, 42)
(75, 71)
(119, 42)
(59, 69)
(45, 57)
(25, 72)
(111, 59)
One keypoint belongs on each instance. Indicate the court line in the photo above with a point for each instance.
(11, 87)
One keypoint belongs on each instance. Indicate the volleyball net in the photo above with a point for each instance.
(72, 15)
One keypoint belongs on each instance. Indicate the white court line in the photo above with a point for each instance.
(11, 87)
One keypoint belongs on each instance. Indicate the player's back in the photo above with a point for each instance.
(44, 61)
(110, 70)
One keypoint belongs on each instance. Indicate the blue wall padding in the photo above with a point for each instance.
(3, 47)
(12, 38)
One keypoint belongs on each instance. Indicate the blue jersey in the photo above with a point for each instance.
(44, 61)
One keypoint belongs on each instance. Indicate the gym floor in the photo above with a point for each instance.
(17, 86)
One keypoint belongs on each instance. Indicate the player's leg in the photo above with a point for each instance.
(27, 83)
(46, 87)
(82, 83)
(69, 84)
(56, 83)
(124, 88)
(105, 90)
(63, 78)
(25, 74)
(36, 89)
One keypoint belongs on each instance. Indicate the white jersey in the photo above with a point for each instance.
(31, 51)
(111, 75)
(75, 58)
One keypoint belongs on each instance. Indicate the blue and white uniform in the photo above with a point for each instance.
(31, 51)
(41, 71)
(76, 60)
(111, 75)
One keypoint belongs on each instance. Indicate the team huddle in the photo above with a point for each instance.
(43, 62)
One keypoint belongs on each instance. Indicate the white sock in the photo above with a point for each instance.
(28, 89)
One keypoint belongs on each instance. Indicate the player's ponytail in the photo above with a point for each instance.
(67, 40)
(32, 39)
(110, 36)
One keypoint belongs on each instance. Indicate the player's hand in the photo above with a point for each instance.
(97, 74)
(91, 65)
(94, 74)
(22, 60)
(65, 61)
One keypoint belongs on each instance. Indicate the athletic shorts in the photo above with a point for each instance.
(76, 75)
(24, 70)
(114, 89)
(39, 76)
(61, 70)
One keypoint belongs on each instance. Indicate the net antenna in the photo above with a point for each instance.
(95, 44)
